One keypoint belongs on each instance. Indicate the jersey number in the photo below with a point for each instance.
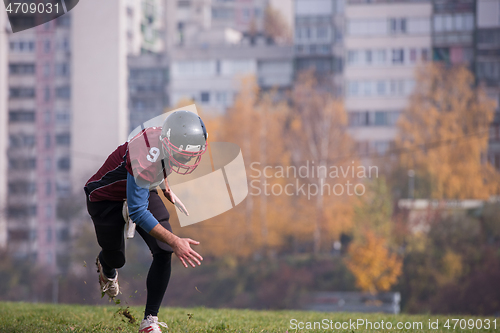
(154, 153)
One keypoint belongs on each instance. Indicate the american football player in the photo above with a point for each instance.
(132, 173)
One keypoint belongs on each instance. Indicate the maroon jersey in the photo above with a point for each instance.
(140, 157)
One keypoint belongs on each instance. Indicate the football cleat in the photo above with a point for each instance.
(108, 286)
(151, 325)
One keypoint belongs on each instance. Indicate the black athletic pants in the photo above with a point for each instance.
(109, 227)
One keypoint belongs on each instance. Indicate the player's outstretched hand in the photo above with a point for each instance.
(176, 201)
(185, 253)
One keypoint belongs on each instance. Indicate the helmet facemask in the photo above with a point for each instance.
(180, 160)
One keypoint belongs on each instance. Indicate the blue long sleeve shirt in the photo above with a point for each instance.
(137, 199)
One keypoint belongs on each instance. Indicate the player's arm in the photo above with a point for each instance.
(137, 199)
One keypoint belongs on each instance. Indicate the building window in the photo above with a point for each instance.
(63, 139)
(63, 118)
(369, 88)
(22, 164)
(354, 57)
(22, 46)
(63, 92)
(360, 27)
(205, 97)
(307, 33)
(397, 25)
(21, 211)
(63, 21)
(448, 23)
(357, 119)
(322, 33)
(441, 54)
(352, 88)
(28, 140)
(64, 163)
(14, 141)
(368, 57)
(21, 116)
(325, 49)
(381, 88)
(21, 92)
(454, 22)
(63, 44)
(63, 189)
(488, 70)
(21, 187)
(487, 36)
(21, 69)
(63, 235)
(378, 57)
(62, 69)
(418, 25)
(380, 118)
(18, 235)
(398, 56)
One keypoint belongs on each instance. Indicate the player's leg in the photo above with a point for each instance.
(108, 225)
(159, 272)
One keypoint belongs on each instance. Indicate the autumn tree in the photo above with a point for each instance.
(371, 255)
(374, 267)
(255, 122)
(278, 135)
(318, 135)
(443, 134)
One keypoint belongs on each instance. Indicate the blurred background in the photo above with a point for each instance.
(400, 97)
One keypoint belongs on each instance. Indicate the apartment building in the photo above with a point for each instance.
(148, 78)
(319, 39)
(384, 42)
(210, 48)
(488, 66)
(3, 125)
(38, 154)
(66, 110)
(211, 76)
(453, 31)
(212, 22)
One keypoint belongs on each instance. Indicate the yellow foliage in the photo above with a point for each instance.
(270, 132)
(452, 267)
(255, 122)
(373, 266)
(445, 133)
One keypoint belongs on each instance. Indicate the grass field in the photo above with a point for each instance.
(27, 317)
